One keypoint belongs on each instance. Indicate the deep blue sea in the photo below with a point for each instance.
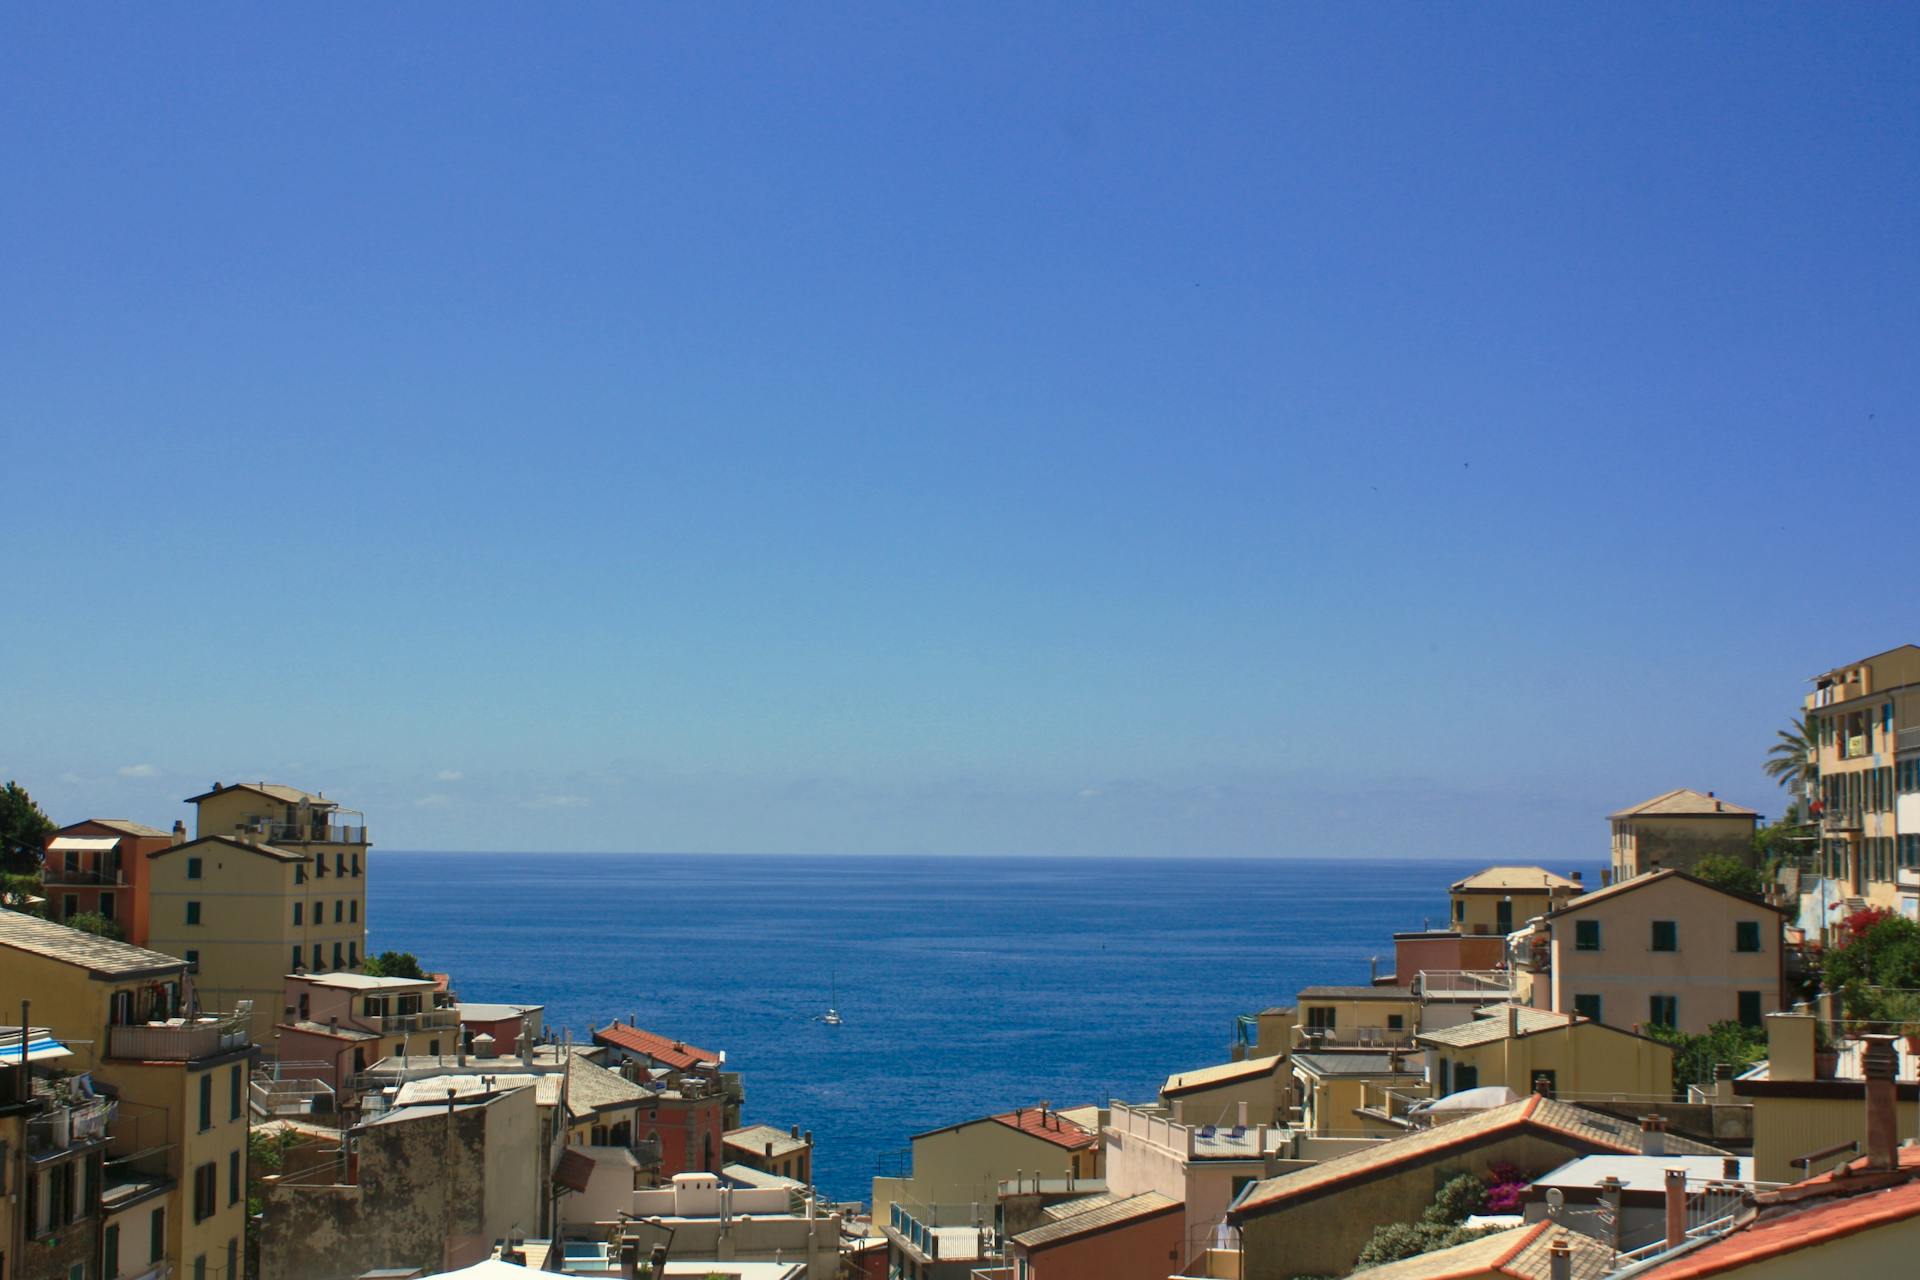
(968, 985)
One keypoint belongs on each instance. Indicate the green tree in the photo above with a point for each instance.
(1694, 1057)
(98, 925)
(1790, 758)
(24, 829)
(1439, 1226)
(1724, 871)
(393, 964)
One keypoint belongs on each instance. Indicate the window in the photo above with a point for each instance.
(298, 908)
(1396, 1022)
(1503, 915)
(1586, 935)
(300, 873)
(353, 910)
(1750, 1009)
(206, 1102)
(353, 955)
(339, 864)
(233, 1258)
(339, 910)
(233, 1177)
(193, 960)
(1587, 1006)
(200, 1266)
(336, 954)
(193, 868)
(106, 906)
(1746, 935)
(1321, 1018)
(193, 913)
(233, 1094)
(110, 1252)
(1663, 1011)
(205, 1193)
(356, 864)
(296, 957)
(316, 955)
(1465, 1077)
(1459, 908)
(157, 1235)
(319, 866)
(1666, 935)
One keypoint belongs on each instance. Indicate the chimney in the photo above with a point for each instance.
(1242, 1122)
(807, 1137)
(1611, 1194)
(1676, 1208)
(793, 1131)
(1559, 1260)
(1880, 1061)
(1653, 1136)
(1606, 876)
(1513, 1020)
(1373, 969)
(179, 832)
(1576, 877)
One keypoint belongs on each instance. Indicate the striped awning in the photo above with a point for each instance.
(40, 1046)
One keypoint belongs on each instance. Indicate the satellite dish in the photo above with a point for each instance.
(1556, 1201)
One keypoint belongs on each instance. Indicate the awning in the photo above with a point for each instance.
(574, 1171)
(40, 1047)
(83, 844)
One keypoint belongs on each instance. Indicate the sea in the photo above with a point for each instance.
(967, 985)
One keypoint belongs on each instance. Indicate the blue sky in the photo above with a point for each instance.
(1037, 429)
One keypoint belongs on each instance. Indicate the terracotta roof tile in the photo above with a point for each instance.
(1516, 879)
(666, 1052)
(1050, 1126)
(1522, 1253)
(1097, 1218)
(1684, 802)
(1790, 1228)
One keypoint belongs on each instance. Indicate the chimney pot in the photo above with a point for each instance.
(1559, 1260)
(1676, 1208)
(1880, 1063)
(1576, 878)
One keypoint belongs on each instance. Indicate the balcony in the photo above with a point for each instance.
(178, 1040)
(426, 1020)
(1841, 820)
(67, 1126)
(83, 877)
(1316, 1039)
(313, 833)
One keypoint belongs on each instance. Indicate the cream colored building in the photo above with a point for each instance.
(1560, 1054)
(178, 1139)
(1864, 722)
(1354, 1093)
(339, 1024)
(1499, 900)
(1356, 1017)
(1659, 948)
(244, 913)
(1675, 829)
(1252, 1090)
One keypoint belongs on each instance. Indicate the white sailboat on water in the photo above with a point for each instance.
(832, 1016)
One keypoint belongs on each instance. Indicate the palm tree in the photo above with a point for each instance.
(1790, 759)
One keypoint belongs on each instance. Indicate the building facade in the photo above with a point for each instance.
(100, 866)
(1863, 721)
(1676, 829)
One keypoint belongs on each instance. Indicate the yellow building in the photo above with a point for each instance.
(1661, 949)
(964, 1164)
(1250, 1091)
(1559, 1054)
(1499, 900)
(1676, 829)
(245, 914)
(1355, 1093)
(1357, 1017)
(178, 1082)
(1864, 722)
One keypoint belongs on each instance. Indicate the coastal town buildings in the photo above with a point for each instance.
(1676, 829)
(1863, 723)
(1659, 949)
(1251, 1090)
(174, 1082)
(53, 1136)
(1809, 1102)
(785, 1153)
(338, 1024)
(1498, 900)
(1314, 1221)
(99, 867)
(1137, 1237)
(1528, 1050)
(1345, 1093)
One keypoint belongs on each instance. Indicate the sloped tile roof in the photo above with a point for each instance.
(666, 1052)
(271, 790)
(1522, 1253)
(1527, 1021)
(103, 956)
(757, 1137)
(1050, 1126)
(1534, 1114)
(1226, 1072)
(1097, 1218)
(1683, 802)
(126, 825)
(1791, 1228)
(1668, 876)
(1513, 879)
(591, 1086)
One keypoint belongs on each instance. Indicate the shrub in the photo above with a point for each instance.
(1455, 1201)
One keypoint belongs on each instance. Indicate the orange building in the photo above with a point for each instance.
(1103, 1238)
(100, 865)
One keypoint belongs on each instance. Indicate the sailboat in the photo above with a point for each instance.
(832, 1016)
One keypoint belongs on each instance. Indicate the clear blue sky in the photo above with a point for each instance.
(1161, 429)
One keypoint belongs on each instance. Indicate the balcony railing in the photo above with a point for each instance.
(177, 1042)
(1841, 820)
(314, 833)
(1314, 1039)
(67, 1126)
(59, 876)
(426, 1020)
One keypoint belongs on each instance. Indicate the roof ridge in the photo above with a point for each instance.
(1530, 1236)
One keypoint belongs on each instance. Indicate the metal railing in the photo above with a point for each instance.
(1442, 984)
(66, 1125)
(314, 833)
(181, 1042)
(425, 1020)
(55, 877)
(1351, 1038)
